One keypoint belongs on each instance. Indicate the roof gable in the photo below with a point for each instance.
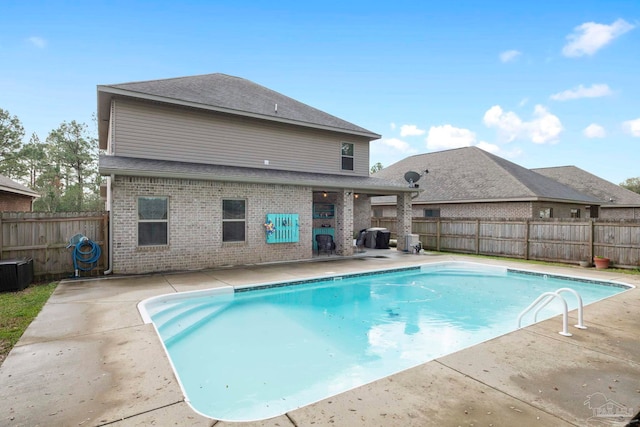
(229, 94)
(471, 174)
(609, 193)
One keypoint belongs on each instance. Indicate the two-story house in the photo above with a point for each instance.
(216, 170)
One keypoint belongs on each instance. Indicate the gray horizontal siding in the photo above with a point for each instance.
(154, 131)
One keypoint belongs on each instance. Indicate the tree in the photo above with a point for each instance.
(375, 168)
(11, 134)
(33, 160)
(74, 153)
(632, 184)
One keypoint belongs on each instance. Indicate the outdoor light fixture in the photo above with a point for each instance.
(324, 194)
(356, 195)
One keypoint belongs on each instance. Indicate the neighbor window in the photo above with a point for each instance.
(575, 213)
(546, 213)
(153, 221)
(233, 220)
(432, 213)
(377, 212)
(347, 156)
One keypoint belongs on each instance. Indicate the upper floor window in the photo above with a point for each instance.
(575, 213)
(347, 156)
(234, 215)
(153, 221)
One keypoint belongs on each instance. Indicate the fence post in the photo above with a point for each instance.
(591, 233)
(438, 224)
(526, 239)
(477, 236)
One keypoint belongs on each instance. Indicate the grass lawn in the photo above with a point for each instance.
(17, 311)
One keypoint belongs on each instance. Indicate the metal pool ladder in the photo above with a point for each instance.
(545, 299)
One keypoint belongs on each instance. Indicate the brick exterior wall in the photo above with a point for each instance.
(195, 224)
(361, 213)
(529, 210)
(620, 213)
(10, 202)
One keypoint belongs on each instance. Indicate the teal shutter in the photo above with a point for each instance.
(282, 228)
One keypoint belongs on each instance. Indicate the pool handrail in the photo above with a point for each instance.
(565, 324)
(580, 324)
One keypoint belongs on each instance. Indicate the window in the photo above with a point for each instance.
(377, 212)
(575, 213)
(546, 213)
(233, 220)
(432, 213)
(153, 221)
(347, 156)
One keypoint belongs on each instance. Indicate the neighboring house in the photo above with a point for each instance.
(216, 170)
(472, 183)
(15, 197)
(616, 202)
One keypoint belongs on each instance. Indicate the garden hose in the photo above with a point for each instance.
(86, 254)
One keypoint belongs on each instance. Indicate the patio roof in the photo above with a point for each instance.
(130, 166)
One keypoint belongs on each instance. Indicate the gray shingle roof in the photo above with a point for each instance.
(610, 194)
(472, 175)
(161, 168)
(235, 95)
(10, 186)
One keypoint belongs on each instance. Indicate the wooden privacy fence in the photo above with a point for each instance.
(44, 237)
(560, 240)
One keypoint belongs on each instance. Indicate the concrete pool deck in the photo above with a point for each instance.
(88, 359)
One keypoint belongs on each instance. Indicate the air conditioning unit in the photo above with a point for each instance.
(411, 240)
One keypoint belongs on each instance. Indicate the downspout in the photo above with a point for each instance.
(110, 238)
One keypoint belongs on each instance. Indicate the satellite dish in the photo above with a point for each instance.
(412, 177)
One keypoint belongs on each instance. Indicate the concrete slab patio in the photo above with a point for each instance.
(89, 360)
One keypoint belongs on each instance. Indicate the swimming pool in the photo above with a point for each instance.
(251, 353)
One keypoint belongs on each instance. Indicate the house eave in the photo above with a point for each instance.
(17, 191)
(106, 93)
(372, 190)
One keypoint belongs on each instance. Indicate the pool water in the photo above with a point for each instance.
(255, 354)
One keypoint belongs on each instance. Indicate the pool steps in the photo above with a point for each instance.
(545, 299)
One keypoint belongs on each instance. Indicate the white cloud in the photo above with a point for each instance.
(632, 127)
(594, 130)
(411, 130)
(590, 37)
(397, 144)
(390, 150)
(543, 128)
(491, 148)
(509, 55)
(447, 137)
(38, 42)
(595, 91)
(392, 126)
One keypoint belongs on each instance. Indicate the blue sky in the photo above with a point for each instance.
(539, 83)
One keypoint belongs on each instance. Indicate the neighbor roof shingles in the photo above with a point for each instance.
(609, 193)
(471, 174)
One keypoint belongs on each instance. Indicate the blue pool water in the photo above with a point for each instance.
(244, 354)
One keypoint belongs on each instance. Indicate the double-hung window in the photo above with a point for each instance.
(153, 221)
(234, 213)
(347, 156)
